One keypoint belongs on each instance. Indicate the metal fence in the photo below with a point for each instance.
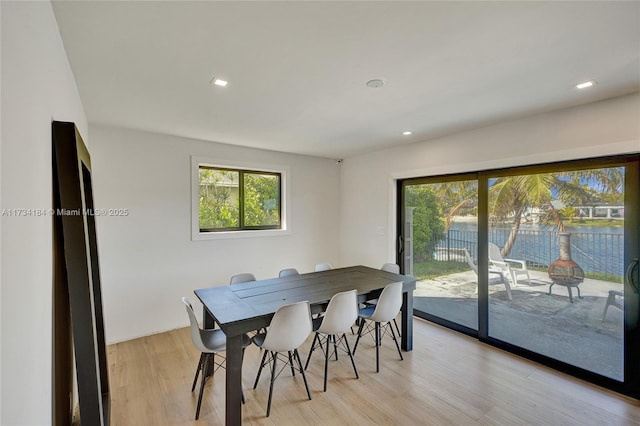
(598, 254)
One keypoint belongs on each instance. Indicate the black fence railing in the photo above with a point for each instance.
(598, 254)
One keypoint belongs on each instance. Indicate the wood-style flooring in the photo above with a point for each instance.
(448, 379)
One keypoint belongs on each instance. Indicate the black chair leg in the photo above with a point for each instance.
(396, 342)
(304, 376)
(326, 363)
(397, 328)
(293, 371)
(377, 330)
(346, 342)
(359, 335)
(264, 358)
(274, 356)
(313, 347)
(195, 379)
(202, 382)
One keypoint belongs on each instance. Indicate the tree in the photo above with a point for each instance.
(456, 196)
(428, 226)
(509, 196)
(218, 206)
(221, 200)
(261, 200)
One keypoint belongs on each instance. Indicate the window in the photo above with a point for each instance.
(232, 200)
(238, 199)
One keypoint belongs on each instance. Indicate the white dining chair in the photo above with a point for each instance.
(390, 267)
(288, 272)
(242, 278)
(341, 313)
(209, 342)
(394, 269)
(289, 328)
(382, 314)
(322, 267)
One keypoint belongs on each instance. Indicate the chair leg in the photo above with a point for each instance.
(202, 382)
(195, 379)
(326, 363)
(377, 330)
(355, 346)
(396, 342)
(346, 342)
(313, 347)
(274, 356)
(264, 358)
(335, 346)
(397, 328)
(293, 371)
(304, 376)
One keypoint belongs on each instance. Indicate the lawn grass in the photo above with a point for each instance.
(435, 268)
(595, 223)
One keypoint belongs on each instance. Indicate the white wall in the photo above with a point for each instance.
(37, 87)
(368, 181)
(148, 260)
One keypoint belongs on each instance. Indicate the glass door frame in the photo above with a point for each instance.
(631, 384)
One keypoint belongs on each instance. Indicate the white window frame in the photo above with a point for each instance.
(197, 235)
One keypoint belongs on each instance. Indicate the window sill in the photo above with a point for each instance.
(224, 235)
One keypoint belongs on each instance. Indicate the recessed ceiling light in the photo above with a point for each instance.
(407, 132)
(218, 81)
(375, 83)
(586, 84)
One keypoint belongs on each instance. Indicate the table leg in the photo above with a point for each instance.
(233, 397)
(407, 320)
(207, 320)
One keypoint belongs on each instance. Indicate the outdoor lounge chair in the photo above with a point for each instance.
(509, 265)
(612, 300)
(492, 270)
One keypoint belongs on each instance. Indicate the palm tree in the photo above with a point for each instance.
(511, 195)
(454, 196)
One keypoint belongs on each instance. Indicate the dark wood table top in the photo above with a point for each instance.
(243, 307)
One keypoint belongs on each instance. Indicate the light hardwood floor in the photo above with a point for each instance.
(448, 379)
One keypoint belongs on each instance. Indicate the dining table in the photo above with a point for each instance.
(245, 307)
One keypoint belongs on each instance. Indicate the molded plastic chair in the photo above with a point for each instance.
(338, 318)
(385, 311)
(289, 328)
(242, 278)
(246, 277)
(391, 267)
(394, 269)
(496, 259)
(322, 267)
(209, 342)
(492, 270)
(288, 272)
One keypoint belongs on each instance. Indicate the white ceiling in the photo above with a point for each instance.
(297, 70)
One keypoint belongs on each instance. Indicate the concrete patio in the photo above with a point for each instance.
(548, 324)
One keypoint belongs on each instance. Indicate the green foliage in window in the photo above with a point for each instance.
(225, 195)
(261, 199)
(219, 203)
(428, 225)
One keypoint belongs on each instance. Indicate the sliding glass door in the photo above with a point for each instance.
(538, 260)
(440, 245)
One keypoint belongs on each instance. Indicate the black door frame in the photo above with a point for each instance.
(631, 384)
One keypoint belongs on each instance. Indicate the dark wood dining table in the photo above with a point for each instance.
(240, 308)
